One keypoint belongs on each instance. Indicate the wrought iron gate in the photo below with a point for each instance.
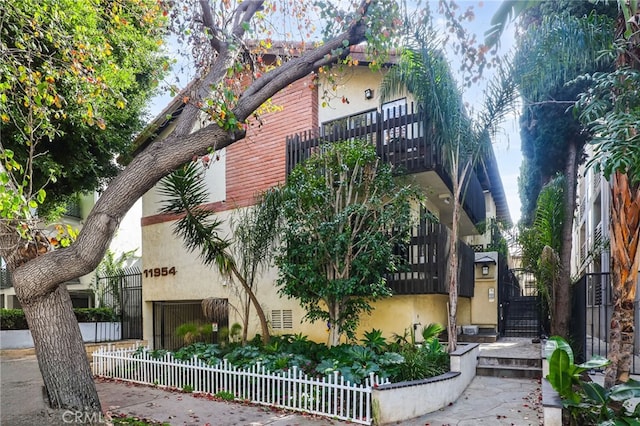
(520, 308)
(123, 293)
(168, 316)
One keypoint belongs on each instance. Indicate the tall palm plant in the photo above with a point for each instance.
(185, 193)
(612, 112)
(424, 72)
(541, 243)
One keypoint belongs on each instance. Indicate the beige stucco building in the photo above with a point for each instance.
(175, 280)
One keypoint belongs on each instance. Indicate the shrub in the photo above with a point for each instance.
(14, 319)
(96, 315)
(587, 401)
(192, 332)
(398, 361)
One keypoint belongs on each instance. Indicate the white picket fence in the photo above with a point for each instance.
(328, 396)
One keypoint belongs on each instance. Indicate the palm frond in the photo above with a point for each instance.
(184, 192)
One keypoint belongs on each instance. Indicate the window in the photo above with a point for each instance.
(281, 318)
(394, 109)
(390, 110)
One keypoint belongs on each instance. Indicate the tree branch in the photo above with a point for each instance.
(207, 19)
(160, 158)
(243, 15)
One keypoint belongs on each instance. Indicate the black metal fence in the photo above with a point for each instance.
(122, 292)
(400, 139)
(591, 319)
(169, 316)
(5, 279)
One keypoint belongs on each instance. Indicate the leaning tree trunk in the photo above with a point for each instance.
(562, 292)
(256, 304)
(60, 351)
(624, 230)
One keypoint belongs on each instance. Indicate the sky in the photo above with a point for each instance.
(506, 142)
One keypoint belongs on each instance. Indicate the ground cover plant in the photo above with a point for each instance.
(397, 360)
(586, 401)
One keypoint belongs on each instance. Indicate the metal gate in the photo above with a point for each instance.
(591, 319)
(169, 316)
(123, 293)
(520, 308)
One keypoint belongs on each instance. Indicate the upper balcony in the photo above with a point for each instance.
(401, 140)
(426, 269)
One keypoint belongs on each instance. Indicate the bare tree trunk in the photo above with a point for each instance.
(245, 320)
(624, 230)
(60, 351)
(562, 293)
(334, 330)
(256, 303)
(452, 328)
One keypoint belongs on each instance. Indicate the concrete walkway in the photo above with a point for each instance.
(487, 400)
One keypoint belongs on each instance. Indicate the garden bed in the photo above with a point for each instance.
(401, 401)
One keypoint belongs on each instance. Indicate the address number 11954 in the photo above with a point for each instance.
(159, 272)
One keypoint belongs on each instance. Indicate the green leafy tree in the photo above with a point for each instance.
(74, 76)
(343, 215)
(232, 85)
(610, 111)
(551, 54)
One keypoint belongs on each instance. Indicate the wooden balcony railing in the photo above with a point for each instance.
(427, 263)
(400, 139)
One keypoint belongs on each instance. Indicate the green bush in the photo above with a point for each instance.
(399, 361)
(13, 319)
(96, 315)
(587, 402)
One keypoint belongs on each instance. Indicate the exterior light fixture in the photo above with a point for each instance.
(485, 270)
(368, 93)
(445, 197)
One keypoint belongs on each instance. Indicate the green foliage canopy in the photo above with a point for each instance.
(343, 215)
(552, 53)
(74, 80)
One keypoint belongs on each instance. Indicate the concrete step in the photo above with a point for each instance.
(495, 361)
(509, 371)
(512, 367)
(478, 338)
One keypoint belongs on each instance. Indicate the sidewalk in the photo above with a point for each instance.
(487, 400)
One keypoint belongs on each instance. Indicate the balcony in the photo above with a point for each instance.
(401, 140)
(427, 263)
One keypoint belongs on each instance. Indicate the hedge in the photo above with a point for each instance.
(13, 319)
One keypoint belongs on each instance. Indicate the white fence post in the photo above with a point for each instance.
(294, 390)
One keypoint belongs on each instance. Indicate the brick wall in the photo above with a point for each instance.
(258, 161)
